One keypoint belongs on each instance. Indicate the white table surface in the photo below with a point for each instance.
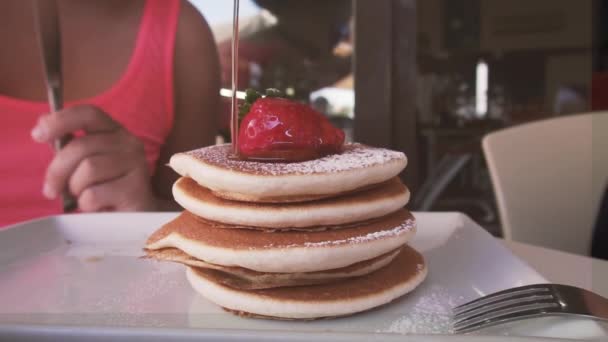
(564, 268)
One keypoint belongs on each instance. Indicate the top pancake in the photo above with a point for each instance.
(358, 166)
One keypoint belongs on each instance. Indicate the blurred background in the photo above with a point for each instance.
(429, 77)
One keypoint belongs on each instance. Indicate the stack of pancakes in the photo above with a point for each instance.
(313, 239)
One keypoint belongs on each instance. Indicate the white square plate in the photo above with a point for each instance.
(77, 276)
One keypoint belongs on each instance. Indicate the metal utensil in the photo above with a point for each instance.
(527, 302)
(49, 38)
(234, 110)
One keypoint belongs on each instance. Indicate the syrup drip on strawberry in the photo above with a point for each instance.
(281, 130)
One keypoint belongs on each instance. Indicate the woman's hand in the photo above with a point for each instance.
(105, 169)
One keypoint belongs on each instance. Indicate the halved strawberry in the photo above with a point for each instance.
(283, 130)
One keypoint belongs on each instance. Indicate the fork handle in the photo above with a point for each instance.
(69, 201)
(596, 305)
(61, 142)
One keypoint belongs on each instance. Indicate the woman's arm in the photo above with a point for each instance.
(106, 169)
(196, 94)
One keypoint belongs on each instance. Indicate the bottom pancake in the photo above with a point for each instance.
(335, 299)
(245, 279)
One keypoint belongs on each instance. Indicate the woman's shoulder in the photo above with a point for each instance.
(194, 40)
(193, 20)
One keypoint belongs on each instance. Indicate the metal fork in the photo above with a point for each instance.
(49, 37)
(527, 302)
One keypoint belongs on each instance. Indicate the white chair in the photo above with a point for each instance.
(548, 179)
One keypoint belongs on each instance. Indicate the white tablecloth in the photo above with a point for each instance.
(564, 268)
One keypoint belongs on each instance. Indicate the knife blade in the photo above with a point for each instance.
(49, 38)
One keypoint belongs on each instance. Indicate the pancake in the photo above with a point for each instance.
(284, 252)
(360, 206)
(284, 229)
(242, 278)
(356, 167)
(335, 299)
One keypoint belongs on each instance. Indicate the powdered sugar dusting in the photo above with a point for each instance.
(406, 226)
(354, 156)
(431, 314)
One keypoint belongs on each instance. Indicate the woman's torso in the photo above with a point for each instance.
(117, 55)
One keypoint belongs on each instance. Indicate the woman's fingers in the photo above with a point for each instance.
(126, 193)
(98, 169)
(84, 117)
(105, 169)
(68, 159)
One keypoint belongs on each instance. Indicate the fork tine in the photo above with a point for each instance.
(515, 312)
(502, 295)
(519, 300)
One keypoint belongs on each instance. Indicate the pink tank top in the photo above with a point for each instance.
(141, 100)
